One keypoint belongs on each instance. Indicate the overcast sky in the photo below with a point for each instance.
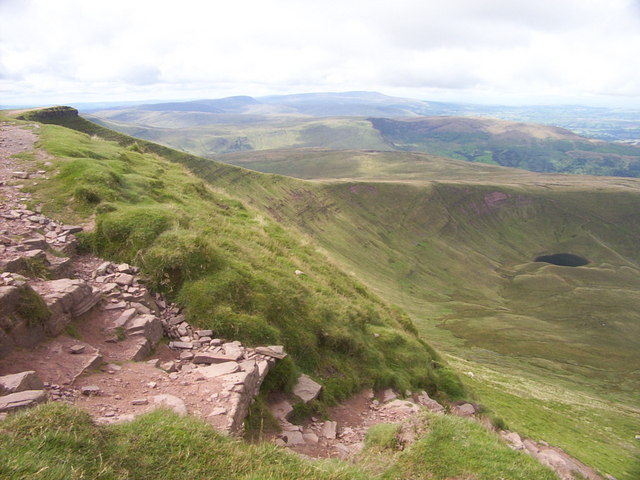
(485, 51)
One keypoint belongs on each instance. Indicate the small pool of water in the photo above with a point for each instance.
(563, 259)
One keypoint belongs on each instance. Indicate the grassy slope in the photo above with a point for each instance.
(186, 131)
(231, 268)
(533, 147)
(70, 447)
(458, 258)
(409, 244)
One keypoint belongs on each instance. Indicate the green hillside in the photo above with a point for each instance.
(230, 267)
(556, 347)
(205, 134)
(532, 147)
(552, 350)
(528, 146)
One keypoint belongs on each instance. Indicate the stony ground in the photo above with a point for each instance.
(116, 350)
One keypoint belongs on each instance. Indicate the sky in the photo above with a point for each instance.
(508, 52)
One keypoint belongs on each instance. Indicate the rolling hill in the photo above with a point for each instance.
(361, 120)
(552, 349)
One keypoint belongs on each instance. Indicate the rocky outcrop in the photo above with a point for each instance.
(21, 390)
(19, 382)
(23, 317)
(24, 399)
(567, 467)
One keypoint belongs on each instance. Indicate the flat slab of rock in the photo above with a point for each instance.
(24, 399)
(124, 279)
(400, 406)
(306, 388)
(19, 382)
(329, 430)
(209, 358)
(275, 351)
(148, 326)
(219, 369)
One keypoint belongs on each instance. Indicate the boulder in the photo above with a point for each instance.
(275, 351)
(24, 399)
(310, 437)
(293, 438)
(19, 382)
(306, 388)
(141, 350)
(433, 406)
(465, 410)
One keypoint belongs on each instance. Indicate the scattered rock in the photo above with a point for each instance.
(76, 349)
(124, 279)
(140, 401)
(186, 355)
(306, 388)
(329, 430)
(90, 390)
(219, 369)
(169, 366)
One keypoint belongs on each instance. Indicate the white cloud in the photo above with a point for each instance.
(75, 50)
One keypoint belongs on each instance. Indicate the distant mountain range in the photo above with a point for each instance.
(372, 121)
(596, 122)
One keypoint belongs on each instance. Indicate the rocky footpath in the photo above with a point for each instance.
(82, 330)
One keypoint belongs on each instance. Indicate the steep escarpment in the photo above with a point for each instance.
(231, 269)
(460, 255)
